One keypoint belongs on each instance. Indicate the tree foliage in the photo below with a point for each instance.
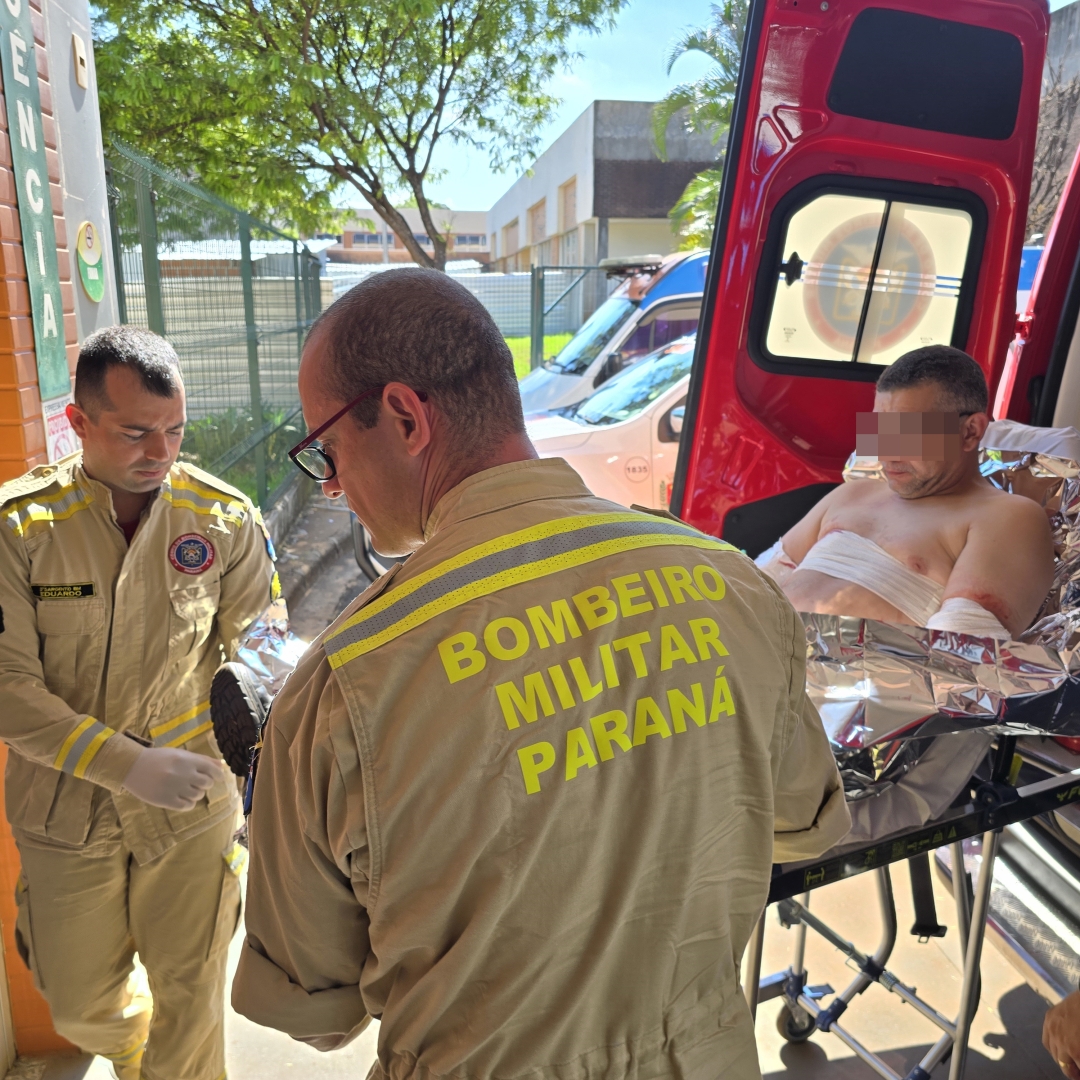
(1055, 146)
(278, 105)
(704, 106)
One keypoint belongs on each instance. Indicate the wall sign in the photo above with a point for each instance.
(88, 256)
(26, 136)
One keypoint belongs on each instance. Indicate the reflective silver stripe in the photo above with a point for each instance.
(42, 507)
(186, 494)
(81, 745)
(502, 564)
(184, 732)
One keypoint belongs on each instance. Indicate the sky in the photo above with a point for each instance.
(625, 64)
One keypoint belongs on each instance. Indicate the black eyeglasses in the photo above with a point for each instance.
(313, 460)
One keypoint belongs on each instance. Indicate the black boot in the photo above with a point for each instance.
(239, 705)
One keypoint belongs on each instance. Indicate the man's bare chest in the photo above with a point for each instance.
(927, 535)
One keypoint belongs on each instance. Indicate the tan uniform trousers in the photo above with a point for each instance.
(82, 919)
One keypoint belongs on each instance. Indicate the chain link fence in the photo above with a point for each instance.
(235, 298)
(536, 311)
(561, 299)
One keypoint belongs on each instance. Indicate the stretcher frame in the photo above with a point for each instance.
(997, 803)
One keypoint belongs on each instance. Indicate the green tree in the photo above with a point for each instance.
(703, 106)
(281, 104)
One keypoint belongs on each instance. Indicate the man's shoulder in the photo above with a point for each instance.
(42, 478)
(48, 491)
(864, 489)
(195, 489)
(1003, 509)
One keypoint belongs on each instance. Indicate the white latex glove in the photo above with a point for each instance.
(170, 778)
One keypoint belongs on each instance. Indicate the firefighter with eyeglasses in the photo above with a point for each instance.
(521, 800)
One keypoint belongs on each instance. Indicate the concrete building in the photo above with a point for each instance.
(368, 239)
(1063, 43)
(600, 190)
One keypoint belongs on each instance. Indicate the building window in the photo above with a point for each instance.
(538, 222)
(568, 205)
(864, 277)
(510, 238)
(468, 240)
(423, 239)
(366, 238)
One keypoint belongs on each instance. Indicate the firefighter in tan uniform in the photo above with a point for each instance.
(124, 578)
(522, 799)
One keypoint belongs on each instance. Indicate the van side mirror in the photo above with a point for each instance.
(678, 415)
(611, 366)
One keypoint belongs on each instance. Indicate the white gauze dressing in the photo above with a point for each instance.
(776, 563)
(850, 557)
(960, 615)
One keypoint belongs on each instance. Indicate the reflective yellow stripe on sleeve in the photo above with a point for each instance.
(497, 564)
(183, 728)
(56, 507)
(129, 1055)
(81, 745)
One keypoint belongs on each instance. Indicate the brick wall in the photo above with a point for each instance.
(22, 430)
(22, 445)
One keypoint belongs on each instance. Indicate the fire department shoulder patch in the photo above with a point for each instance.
(191, 554)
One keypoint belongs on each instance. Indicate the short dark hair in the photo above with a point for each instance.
(151, 357)
(959, 377)
(422, 328)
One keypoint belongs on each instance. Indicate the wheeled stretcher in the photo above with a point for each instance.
(925, 726)
(996, 803)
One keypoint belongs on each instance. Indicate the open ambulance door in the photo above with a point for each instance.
(1041, 381)
(874, 200)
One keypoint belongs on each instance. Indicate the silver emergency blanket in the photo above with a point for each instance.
(886, 691)
(270, 648)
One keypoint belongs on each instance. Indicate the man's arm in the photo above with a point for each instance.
(248, 583)
(1007, 564)
(307, 931)
(810, 814)
(33, 721)
(800, 538)
(1061, 1035)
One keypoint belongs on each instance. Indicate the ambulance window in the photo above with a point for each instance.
(865, 280)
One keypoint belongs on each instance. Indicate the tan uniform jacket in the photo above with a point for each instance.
(100, 638)
(522, 800)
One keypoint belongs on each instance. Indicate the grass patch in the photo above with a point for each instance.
(519, 349)
(210, 438)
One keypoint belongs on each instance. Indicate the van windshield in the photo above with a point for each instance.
(584, 347)
(635, 389)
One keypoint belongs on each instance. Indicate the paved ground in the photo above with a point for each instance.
(1006, 1043)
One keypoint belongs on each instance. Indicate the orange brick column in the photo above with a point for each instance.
(22, 430)
(22, 446)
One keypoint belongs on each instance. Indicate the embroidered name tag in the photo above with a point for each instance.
(63, 592)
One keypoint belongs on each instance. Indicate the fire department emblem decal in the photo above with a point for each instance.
(191, 554)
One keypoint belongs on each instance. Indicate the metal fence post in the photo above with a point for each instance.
(257, 417)
(148, 241)
(536, 318)
(112, 195)
(299, 306)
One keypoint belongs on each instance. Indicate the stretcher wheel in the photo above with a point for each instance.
(795, 1028)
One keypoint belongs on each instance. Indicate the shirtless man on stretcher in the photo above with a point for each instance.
(935, 545)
